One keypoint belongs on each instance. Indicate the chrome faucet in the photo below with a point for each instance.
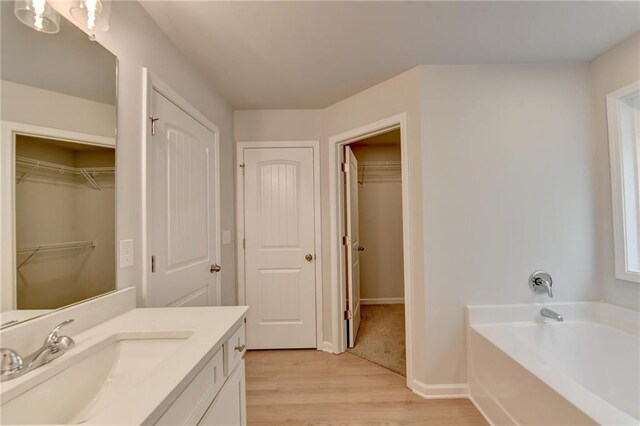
(541, 282)
(548, 313)
(13, 365)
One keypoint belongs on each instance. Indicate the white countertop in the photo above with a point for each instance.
(145, 402)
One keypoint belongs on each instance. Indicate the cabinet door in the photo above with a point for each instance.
(229, 408)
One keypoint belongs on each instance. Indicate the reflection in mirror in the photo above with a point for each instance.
(59, 124)
(65, 224)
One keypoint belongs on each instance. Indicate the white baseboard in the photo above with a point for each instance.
(383, 301)
(481, 410)
(326, 346)
(440, 391)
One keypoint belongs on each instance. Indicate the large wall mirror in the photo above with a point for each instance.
(57, 168)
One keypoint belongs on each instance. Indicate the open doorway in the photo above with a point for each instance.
(374, 260)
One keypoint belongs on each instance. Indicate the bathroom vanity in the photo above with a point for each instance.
(166, 366)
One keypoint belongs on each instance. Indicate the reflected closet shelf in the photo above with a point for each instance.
(89, 173)
(46, 248)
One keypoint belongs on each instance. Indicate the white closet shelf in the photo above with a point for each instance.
(45, 248)
(89, 173)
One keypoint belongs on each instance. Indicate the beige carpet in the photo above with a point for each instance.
(381, 337)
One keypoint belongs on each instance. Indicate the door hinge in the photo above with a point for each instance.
(345, 167)
(347, 315)
(153, 263)
(244, 243)
(242, 167)
(346, 240)
(153, 124)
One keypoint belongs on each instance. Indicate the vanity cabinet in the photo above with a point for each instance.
(229, 407)
(216, 396)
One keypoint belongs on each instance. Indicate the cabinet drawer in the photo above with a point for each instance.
(235, 348)
(189, 407)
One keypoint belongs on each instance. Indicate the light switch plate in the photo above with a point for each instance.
(226, 237)
(126, 253)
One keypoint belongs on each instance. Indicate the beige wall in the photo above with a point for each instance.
(277, 125)
(380, 225)
(611, 71)
(30, 105)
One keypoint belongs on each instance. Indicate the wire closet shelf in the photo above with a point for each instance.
(379, 171)
(31, 251)
(89, 173)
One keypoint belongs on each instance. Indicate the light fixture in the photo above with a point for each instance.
(91, 14)
(37, 14)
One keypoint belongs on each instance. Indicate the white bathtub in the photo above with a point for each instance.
(527, 370)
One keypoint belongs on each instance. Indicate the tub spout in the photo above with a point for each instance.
(548, 313)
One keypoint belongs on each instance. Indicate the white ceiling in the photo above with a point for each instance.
(66, 62)
(311, 54)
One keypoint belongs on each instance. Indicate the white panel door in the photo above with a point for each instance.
(352, 249)
(279, 247)
(182, 217)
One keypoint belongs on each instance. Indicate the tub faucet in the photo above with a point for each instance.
(13, 365)
(541, 282)
(548, 313)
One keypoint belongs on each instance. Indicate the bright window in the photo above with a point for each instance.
(623, 113)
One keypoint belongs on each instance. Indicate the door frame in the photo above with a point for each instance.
(315, 145)
(337, 229)
(151, 82)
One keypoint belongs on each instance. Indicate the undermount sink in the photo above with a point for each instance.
(105, 372)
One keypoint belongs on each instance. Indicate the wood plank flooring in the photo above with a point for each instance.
(313, 387)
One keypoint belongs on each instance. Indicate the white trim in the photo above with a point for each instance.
(338, 289)
(622, 271)
(326, 346)
(315, 145)
(8, 131)
(483, 412)
(151, 82)
(383, 301)
(440, 391)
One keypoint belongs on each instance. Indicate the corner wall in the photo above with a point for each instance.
(617, 68)
(508, 172)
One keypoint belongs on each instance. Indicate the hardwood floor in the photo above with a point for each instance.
(313, 387)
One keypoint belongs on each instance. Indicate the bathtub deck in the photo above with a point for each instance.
(309, 386)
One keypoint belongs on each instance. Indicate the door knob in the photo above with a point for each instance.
(309, 257)
(215, 268)
(360, 248)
